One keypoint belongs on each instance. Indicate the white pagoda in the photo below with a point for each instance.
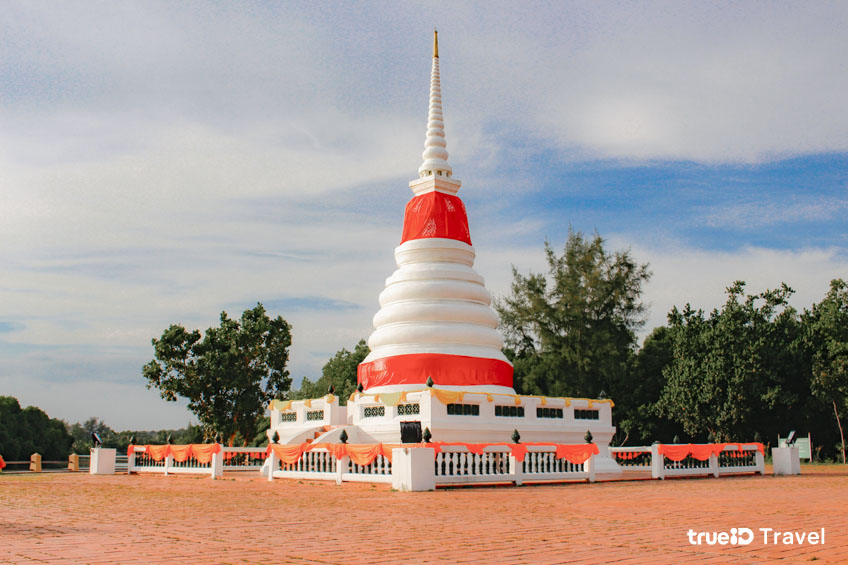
(436, 367)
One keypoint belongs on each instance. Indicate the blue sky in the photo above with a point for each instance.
(160, 163)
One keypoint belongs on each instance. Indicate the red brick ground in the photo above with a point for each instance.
(78, 518)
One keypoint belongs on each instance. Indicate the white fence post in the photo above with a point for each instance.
(218, 464)
(341, 465)
(130, 463)
(657, 462)
(168, 460)
(412, 469)
(515, 471)
(271, 463)
(590, 468)
(714, 469)
(760, 462)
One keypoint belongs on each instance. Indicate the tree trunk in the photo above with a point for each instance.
(841, 436)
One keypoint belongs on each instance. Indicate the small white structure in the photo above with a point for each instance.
(412, 469)
(436, 362)
(786, 460)
(102, 461)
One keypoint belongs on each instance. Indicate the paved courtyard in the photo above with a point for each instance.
(78, 518)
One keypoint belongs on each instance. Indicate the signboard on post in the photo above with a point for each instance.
(804, 445)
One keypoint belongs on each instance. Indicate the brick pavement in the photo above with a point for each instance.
(78, 518)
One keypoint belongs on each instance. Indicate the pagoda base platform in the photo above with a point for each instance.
(450, 416)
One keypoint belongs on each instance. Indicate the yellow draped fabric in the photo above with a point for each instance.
(308, 403)
(280, 404)
(390, 398)
(447, 396)
(329, 398)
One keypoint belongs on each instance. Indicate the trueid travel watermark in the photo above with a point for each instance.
(745, 536)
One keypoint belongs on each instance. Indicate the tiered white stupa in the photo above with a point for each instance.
(435, 320)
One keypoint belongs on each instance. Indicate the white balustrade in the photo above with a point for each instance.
(141, 462)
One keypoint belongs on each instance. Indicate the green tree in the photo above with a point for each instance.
(82, 434)
(643, 424)
(571, 332)
(736, 372)
(229, 375)
(29, 430)
(340, 372)
(826, 336)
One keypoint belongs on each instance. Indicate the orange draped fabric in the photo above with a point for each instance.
(576, 454)
(200, 451)
(674, 452)
(288, 454)
(627, 455)
(203, 451)
(471, 447)
(702, 452)
(519, 450)
(2, 463)
(181, 453)
(365, 454)
(130, 449)
(158, 452)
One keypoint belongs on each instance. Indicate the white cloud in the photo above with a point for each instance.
(160, 162)
(699, 277)
(756, 214)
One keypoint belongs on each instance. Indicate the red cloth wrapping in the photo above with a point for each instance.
(577, 454)
(157, 452)
(2, 463)
(435, 214)
(130, 450)
(453, 370)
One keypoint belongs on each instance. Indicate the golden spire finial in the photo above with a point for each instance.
(435, 44)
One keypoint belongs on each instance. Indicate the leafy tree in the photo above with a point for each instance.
(736, 372)
(82, 434)
(229, 375)
(340, 372)
(571, 332)
(826, 335)
(643, 424)
(29, 430)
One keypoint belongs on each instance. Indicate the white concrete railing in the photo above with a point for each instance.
(243, 458)
(456, 465)
(637, 458)
(746, 459)
(452, 465)
(321, 464)
(141, 462)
